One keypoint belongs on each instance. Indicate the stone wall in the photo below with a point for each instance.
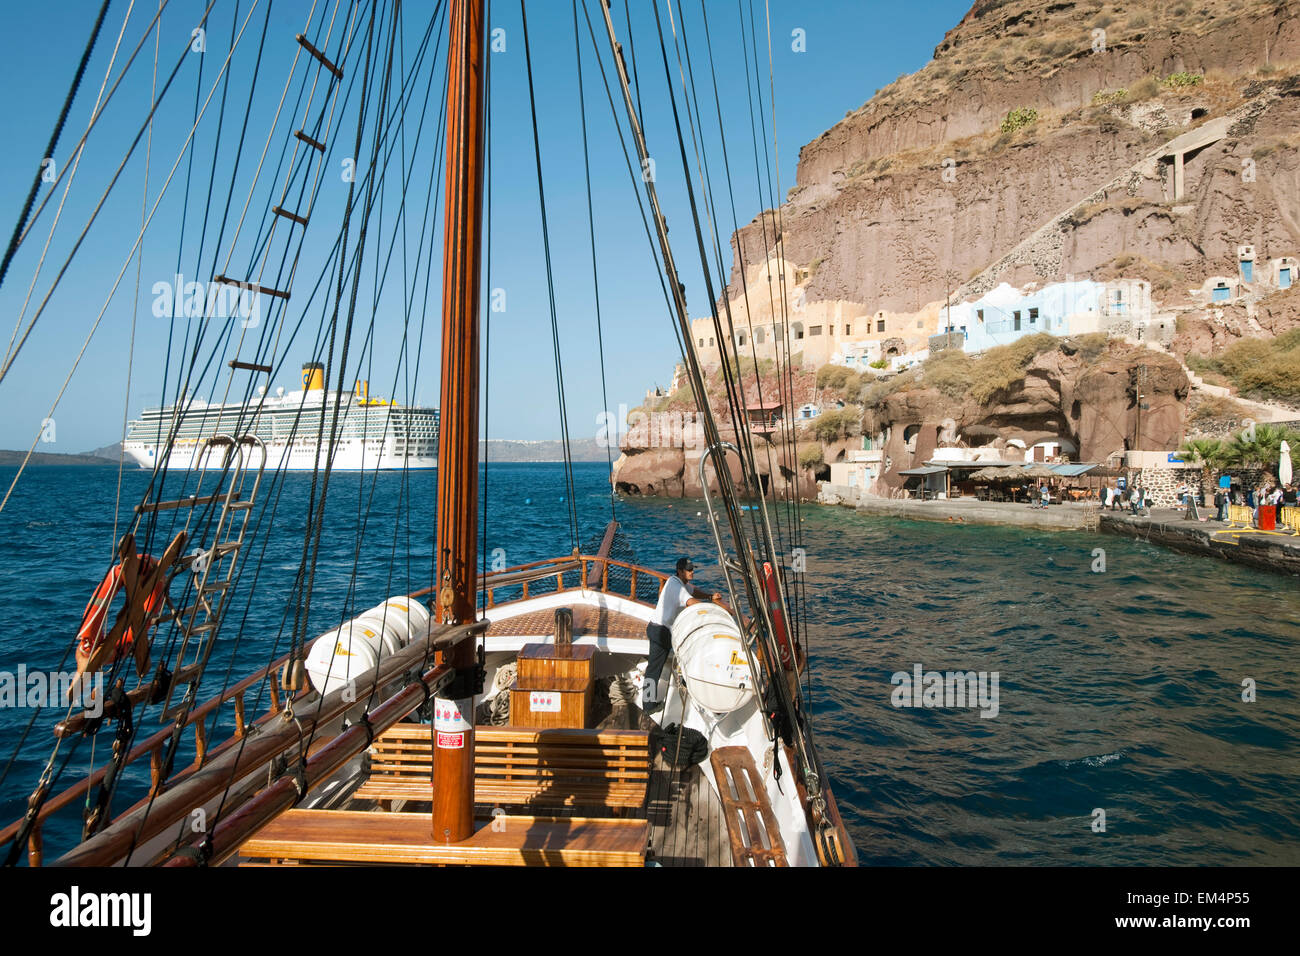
(1162, 483)
(829, 494)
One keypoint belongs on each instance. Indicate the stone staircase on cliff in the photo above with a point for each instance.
(1043, 249)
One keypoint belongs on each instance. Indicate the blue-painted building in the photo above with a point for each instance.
(1006, 314)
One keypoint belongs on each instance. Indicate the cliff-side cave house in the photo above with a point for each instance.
(882, 342)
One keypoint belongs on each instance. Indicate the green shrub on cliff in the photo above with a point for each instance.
(1180, 80)
(1106, 97)
(1001, 367)
(1019, 118)
(951, 372)
(1264, 368)
(1091, 345)
(842, 381)
(958, 375)
(832, 426)
(811, 457)
(1144, 89)
(1214, 408)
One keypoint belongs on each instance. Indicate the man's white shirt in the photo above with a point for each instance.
(672, 599)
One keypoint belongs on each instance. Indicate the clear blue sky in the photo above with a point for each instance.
(853, 47)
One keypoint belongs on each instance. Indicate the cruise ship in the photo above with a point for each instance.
(373, 433)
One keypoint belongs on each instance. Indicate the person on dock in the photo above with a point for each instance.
(678, 592)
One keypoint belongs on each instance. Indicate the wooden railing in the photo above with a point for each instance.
(587, 571)
(155, 747)
(583, 571)
(571, 572)
(262, 747)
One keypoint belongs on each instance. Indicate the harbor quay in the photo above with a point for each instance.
(1068, 516)
(1271, 549)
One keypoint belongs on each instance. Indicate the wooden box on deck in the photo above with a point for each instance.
(564, 674)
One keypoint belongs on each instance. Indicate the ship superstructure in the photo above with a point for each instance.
(373, 433)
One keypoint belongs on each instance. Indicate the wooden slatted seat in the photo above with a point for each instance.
(520, 766)
(751, 822)
(349, 836)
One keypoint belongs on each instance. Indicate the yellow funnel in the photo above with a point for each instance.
(313, 377)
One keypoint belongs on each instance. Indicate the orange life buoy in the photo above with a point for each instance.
(92, 653)
(778, 618)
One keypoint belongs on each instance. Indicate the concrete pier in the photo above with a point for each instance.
(1267, 550)
(1063, 517)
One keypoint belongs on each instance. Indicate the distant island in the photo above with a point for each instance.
(585, 449)
(15, 458)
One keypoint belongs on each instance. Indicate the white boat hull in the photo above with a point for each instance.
(349, 455)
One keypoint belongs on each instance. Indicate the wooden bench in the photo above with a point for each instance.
(349, 836)
(520, 766)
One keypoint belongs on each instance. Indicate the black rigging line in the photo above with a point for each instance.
(144, 126)
(741, 264)
(210, 514)
(633, 178)
(216, 352)
(487, 312)
(796, 520)
(726, 342)
(54, 141)
(591, 233)
(12, 355)
(780, 340)
(431, 197)
(550, 287)
(307, 567)
(276, 499)
(631, 51)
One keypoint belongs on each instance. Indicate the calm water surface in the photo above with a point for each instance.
(1120, 691)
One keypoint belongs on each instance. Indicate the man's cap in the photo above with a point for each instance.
(684, 564)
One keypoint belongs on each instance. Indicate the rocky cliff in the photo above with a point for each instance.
(1039, 145)
(920, 189)
(1066, 393)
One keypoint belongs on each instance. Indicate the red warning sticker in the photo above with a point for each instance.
(449, 741)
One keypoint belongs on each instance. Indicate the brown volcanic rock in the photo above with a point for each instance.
(653, 471)
(1062, 395)
(872, 207)
(1281, 312)
(1210, 331)
(946, 101)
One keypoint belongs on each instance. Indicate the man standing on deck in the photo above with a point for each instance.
(677, 593)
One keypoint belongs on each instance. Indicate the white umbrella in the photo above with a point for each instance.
(1284, 465)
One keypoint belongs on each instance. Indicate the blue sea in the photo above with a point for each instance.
(1121, 735)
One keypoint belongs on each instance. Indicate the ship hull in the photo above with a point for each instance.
(348, 456)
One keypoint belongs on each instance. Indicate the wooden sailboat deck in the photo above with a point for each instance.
(588, 621)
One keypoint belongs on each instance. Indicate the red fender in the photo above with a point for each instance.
(783, 641)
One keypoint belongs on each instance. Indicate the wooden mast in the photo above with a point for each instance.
(457, 520)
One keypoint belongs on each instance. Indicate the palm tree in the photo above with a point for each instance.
(1208, 453)
(1260, 450)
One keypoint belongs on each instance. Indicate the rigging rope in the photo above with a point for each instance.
(54, 140)
(595, 278)
(135, 307)
(550, 288)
